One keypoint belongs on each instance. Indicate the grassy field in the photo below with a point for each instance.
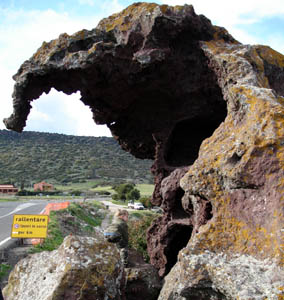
(5, 199)
(107, 188)
(145, 189)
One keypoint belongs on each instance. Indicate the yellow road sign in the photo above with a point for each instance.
(29, 226)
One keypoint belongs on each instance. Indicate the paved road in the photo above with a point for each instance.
(8, 209)
(113, 207)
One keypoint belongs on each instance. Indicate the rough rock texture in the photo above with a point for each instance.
(82, 268)
(210, 112)
(142, 279)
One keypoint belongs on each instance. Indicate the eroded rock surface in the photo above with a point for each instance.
(210, 112)
(82, 268)
(142, 279)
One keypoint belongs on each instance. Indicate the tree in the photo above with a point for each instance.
(126, 191)
(124, 188)
(133, 195)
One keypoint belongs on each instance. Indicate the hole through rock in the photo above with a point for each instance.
(179, 236)
(186, 137)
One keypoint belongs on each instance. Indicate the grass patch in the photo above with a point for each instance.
(145, 189)
(103, 188)
(8, 199)
(54, 237)
(63, 198)
(98, 205)
(139, 214)
(78, 211)
(4, 270)
(119, 202)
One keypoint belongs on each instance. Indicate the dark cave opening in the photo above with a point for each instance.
(178, 211)
(183, 144)
(208, 211)
(179, 236)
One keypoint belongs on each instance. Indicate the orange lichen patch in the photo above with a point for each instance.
(262, 104)
(281, 296)
(271, 56)
(261, 133)
(124, 19)
(257, 61)
(80, 35)
(230, 235)
(220, 33)
(47, 49)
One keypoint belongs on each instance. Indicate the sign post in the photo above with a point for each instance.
(29, 226)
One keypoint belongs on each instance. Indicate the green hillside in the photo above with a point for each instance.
(30, 157)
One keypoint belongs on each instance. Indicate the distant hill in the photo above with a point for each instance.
(30, 157)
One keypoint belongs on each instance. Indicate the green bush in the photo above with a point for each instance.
(76, 193)
(4, 269)
(146, 201)
(137, 234)
(106, 193)
(126, 191)
(133, 195)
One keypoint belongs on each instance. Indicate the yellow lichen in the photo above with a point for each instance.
(271, 56)
(261, 133)
(125, 19)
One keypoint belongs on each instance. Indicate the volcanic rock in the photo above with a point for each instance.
(142, 279)
(210, 112)
(82, 268)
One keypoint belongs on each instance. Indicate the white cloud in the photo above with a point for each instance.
(39, 116)
(57, 112)
(239, 12)
(22, 33)
(111, 7)
(242, 12)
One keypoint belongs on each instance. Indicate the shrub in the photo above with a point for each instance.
(76, 193)
(133, 195)
(4, 270)
(137, 234)
(146, 201)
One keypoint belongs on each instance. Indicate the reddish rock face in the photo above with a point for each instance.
(209, 111)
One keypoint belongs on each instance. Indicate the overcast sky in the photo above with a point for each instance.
(25, 24)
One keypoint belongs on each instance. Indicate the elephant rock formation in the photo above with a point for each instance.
(210, 112)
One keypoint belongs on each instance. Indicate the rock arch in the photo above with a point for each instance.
(153, 72)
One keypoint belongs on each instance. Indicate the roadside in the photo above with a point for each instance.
(80, 219)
